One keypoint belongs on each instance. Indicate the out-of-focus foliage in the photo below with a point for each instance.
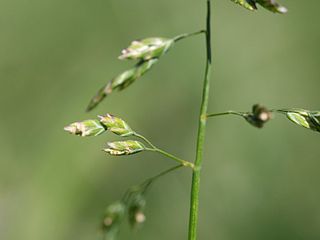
(256, 184)
(122, 81)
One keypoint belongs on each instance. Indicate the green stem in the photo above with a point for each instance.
(283, 111)
(155, 149)
(149, 181)
(186, 35)
(164, 173)
(226, 113)
(144, 139)
(144, 186)
(195, 188)
(179, 160)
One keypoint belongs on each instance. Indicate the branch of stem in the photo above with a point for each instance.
(144, 186)
(144, 139)
(186, 35)
(179, 160)
(241, 114)
(158, 150)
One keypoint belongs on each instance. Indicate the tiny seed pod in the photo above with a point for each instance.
(259, 116)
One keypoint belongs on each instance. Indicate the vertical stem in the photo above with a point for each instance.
(194, 204)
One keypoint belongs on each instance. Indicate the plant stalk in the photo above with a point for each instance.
(186, 35)
(149, 181)
(179, 160)
(144, 186)
(144, 139)
(226, 113)
(195, 188)
(158, 150)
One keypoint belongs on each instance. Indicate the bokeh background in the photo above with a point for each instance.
(256, 184)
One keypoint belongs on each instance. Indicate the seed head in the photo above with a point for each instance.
(124, 148)
(248, 4)
(121, 82)
(85, 128)
(305, 118)
(113, 216)
(116, 125)
(270, 5)
(147, 49)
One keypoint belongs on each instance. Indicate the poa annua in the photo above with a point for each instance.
(147, 52)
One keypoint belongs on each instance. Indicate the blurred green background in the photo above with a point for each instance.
(256, 184)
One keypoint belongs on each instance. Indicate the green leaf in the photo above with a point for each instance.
(116, 125)
(305, 118)
(147, 49)
(124, 148)
(85, 128)
(121, 82)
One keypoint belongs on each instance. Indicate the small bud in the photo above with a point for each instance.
(147, 49)
(124, 148)
(136, 214)
(259, 116)
(140, 217)
(113, 216)
(116, 125)
(121, 82)
(85, 128)
(305, 118)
